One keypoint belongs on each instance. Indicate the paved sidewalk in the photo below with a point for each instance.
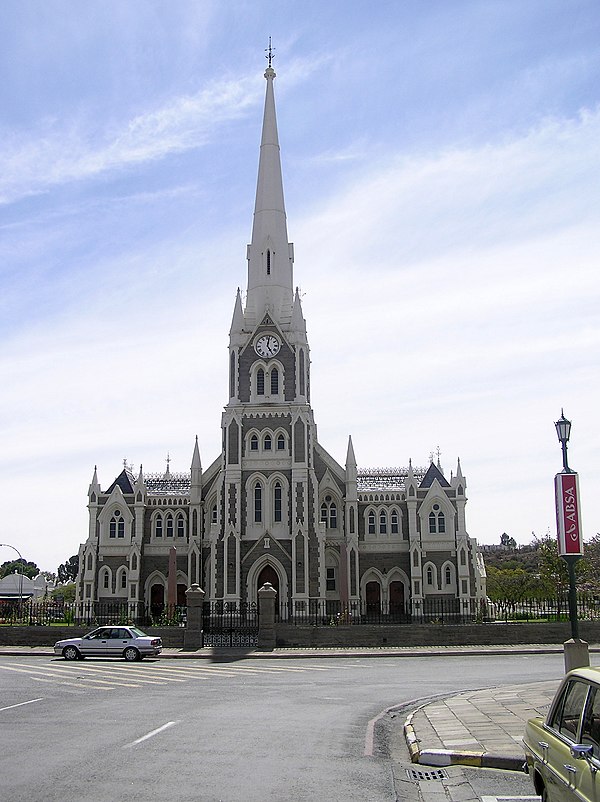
(477, 728)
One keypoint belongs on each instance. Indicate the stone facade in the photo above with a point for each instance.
(275, 506)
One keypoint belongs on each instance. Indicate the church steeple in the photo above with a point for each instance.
(270, 255)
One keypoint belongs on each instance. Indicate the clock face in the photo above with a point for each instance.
(267, 345)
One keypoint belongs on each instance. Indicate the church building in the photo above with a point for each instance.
(275, 506)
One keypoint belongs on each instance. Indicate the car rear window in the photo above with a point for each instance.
(567, 713)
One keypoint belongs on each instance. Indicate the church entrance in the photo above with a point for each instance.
(396, 600)
(268, 574)
(373, 600)
(157, 600)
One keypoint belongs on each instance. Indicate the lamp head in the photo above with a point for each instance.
(563, 428)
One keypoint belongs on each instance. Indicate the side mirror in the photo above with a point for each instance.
(581, 751)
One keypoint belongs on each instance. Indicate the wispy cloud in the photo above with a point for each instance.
(60, 152)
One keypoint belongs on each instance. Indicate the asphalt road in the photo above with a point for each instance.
(190, 730)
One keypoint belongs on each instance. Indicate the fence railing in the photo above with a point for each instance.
(27, 612)
(313, 612)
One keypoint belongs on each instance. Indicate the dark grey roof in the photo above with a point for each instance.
(433, 473)
(125, 480)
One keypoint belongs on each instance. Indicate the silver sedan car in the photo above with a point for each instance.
(128, 642)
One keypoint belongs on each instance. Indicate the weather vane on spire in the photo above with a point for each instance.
(269, 51)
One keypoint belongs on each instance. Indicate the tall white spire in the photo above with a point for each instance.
(270, 255)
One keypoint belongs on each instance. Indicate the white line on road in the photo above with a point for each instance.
(30, 702)
(510, 799)
(152, 734)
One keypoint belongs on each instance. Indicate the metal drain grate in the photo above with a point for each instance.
(419, 775)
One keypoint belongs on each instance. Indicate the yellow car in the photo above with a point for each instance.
(563, 750)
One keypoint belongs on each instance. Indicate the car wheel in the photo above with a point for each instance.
(131, 654)
(71, 653)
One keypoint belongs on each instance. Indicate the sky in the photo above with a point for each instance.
(441, 165)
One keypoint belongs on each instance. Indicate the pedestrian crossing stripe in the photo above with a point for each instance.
(115, 675)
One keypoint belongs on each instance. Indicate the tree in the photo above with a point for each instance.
(512, 584)
(553, 569)
(49, 575)
(65, 593)
(507, 541)
(21, 567)
(67, 571)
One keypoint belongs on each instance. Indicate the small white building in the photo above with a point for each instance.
(18, 586)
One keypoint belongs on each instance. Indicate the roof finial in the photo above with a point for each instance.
(269, 51)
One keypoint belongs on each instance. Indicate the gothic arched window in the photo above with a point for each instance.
(383, 522)
(277, 505)
(371, 523)
(441, 523)
(267, 443)
(329, 513)
(394, 522)
(260, 382)
(180, 525)
(274, 381)
(257, 503)
(280, 442)
(117, 525)
(432, 526)
(254, 443)
(169, 525)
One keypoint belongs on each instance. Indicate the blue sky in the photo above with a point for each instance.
(442, 179)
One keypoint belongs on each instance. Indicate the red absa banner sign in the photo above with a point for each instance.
(568, 520)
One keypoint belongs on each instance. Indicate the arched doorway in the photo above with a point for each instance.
(157, 600)
(373, 600)
(268, 574)
(181, 597)
(396, 600)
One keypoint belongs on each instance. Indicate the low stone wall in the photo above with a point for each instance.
(432, 635)
(349, 636)
(172, 637)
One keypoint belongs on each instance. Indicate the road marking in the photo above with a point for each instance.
(20, 704)
(70, 684)
(138, 675)
(31, 671)
(510, 798)
(151, 734)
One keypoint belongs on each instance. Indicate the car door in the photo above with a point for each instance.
(566, 776)
(589, 767)
(94, 644)
(118, 641)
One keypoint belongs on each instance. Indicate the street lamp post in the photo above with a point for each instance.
(563, 432)
(570, 543)
(8, 546)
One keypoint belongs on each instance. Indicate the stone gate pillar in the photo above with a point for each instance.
(193, 637)
(267, 596)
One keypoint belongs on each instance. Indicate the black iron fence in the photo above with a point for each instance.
(26, 612)
(230, 623)
(314, 612)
